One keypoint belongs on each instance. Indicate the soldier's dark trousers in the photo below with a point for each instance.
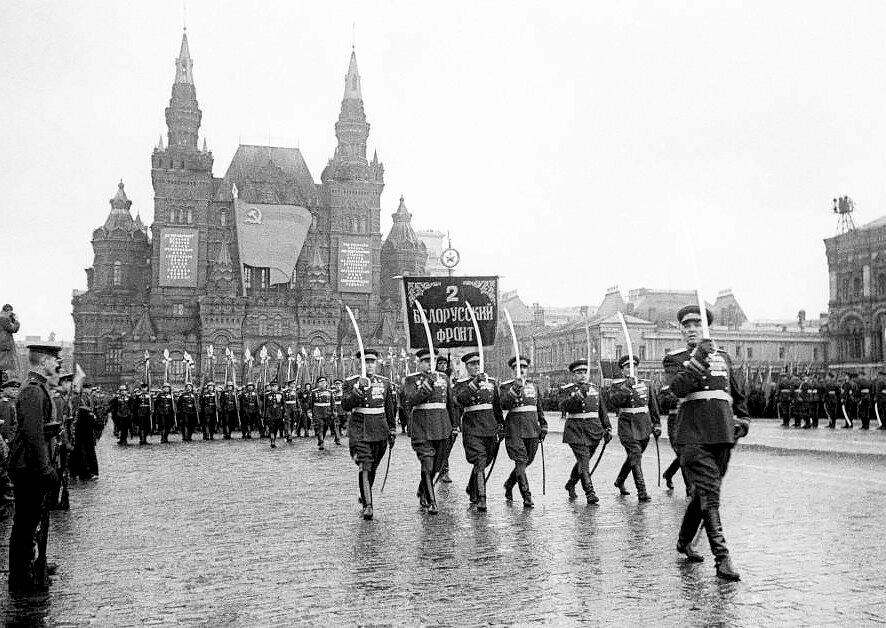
(633, 464)
(123, 427)
(292, 419)
(230, 422)
(250, 422)
(796, 413)
(144, 428)
(30, 491)
(189, 422)
(784, 411)
(209, 421)
(166, 424)
(479, 451)
(431, 454)
(522, 451)
(864, 414)
(832, 410)
(705, 467)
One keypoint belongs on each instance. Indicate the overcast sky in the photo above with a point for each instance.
(567, 146)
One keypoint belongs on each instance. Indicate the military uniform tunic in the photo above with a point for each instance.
(187, 408)
(482, 419)
(586, 418)
(434, 417)
(372, 418)
(524, 421)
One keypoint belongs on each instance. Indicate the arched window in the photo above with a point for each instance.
(117, 279)
(856, 287)
(853, 339)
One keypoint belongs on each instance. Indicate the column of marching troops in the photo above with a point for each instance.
(847, 400)
(706, 414)
(271, 413)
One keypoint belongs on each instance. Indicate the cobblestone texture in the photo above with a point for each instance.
(234, 533)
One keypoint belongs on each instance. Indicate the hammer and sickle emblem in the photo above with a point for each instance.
(253, 216)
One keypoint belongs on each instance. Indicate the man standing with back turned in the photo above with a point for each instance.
(701, 377)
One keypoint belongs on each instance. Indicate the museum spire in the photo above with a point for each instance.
(183, 116)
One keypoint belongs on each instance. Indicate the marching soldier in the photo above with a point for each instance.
(813, 402)
(668, 402)
(321, 408)
(141, 411)
(338, 411)
(832, 399)
(304, 406)
(797, 404)
(120, 409)
(785, 395)
(587, 422)
(865, 401)
(442, 366)
(274, 414)
(32, 473)
(701, 377)
(291, 399)
(637, 419)
(209, 411)
(403, 409)
(249, 405)
(482, 423)
(849, 400)
(164, 412)
(229, 411)
(371, 427)
(187, 408)
(525, 427)
(434, 419)
(880, 400)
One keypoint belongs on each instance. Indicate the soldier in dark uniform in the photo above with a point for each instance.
(701, 377)
(165, 412)
(831, 399)
(8, 394)
(442, 366)
(813, 402)
(30, 467)
(275, 414)
(141, 404)
(229, 410)
(482, 424)
(371, 426)
(797, 403)
(865, 401)
(321, 409)
(292, 401)
(187, 409)
(403, 408)
(304, 409)
(638, 418)
(120, 409)
(525, 428)
(849, 400)
(587, 422)
(785, 395)
(249, 407)
(337, 411)
(209, 411)
(668, 402)
(880, 400)
(434, 419)
(83, 460)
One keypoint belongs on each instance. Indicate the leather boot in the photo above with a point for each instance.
(588, 487)
(642, 495)
(711, 519)
(622, 476)
(480, 490)
(362, 491)
(509, 486)
(570, 485)
(367, 495)
(668, 475)
(688, 530)
(523, 485)
(420, 493)
(429, 492)
(471, 489)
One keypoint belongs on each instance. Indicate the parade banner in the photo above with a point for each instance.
(354, 267)
(178, 257)
(444, 301)
(271, 236)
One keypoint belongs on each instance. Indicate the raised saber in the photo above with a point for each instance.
(624, 328)
(514, 341)
(359, 341)
(477, 333)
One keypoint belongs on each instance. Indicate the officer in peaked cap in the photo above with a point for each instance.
(711, 417)
(31, 469)
(525, 428)
(371, 426)
(482, 424)
(587, 422)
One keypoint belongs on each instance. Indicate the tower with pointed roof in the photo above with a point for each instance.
(402, 254)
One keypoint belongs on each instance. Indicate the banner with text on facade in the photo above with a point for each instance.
(354, 266)
(444, 301)
(271, 236)
(179, 248)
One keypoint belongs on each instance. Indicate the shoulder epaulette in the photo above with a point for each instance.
(382, 377)
(678, 351)
(510, 381)
(567, 386)
(347, 379)
(463, 380)
(618, 381)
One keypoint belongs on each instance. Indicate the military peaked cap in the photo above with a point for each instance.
(524, 361)
(473, 356)
(578, 364)
(692, 313)
(51, 350)
(423, 354)
(627, 358)
(368, 354)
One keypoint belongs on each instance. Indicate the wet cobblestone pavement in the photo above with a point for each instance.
(234, 533)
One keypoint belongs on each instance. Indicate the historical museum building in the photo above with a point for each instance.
(857, 296)
(263, 256)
